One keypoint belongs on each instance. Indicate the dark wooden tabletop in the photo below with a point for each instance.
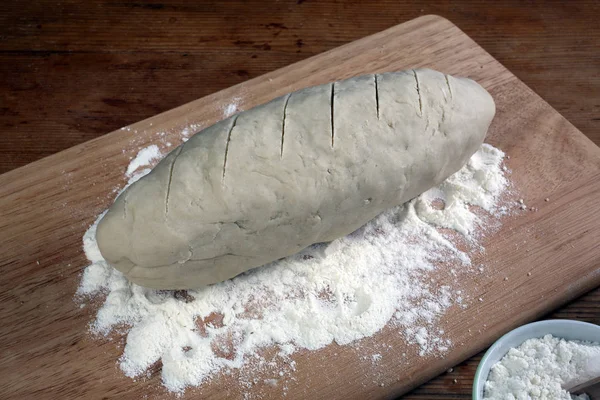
(76, 69)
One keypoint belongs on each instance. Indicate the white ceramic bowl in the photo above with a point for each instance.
(562, 328)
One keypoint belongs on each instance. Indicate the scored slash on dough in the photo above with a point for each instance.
(332, 123)
(376, 94)
(283, 122)
(227, 145)
(448, 83)
(171, 178)
(418, 92)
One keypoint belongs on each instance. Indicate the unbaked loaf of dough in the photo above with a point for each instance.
(307, 167)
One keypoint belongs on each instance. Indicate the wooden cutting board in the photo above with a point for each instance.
(549, 256)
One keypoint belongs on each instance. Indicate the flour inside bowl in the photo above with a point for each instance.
(540, 368)
(384, 274)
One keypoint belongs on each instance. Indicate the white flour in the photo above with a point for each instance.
(144, 157)
(231, 108)
(537, 369)
(338, 292)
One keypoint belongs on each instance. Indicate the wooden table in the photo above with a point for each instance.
(76, 70)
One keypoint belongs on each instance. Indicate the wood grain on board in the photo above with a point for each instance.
(550, 255)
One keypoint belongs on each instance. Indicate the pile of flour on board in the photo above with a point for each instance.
(538, 369)
(382, 275)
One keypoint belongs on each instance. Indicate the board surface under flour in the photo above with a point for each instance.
(343, 291)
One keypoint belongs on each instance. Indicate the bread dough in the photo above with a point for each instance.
(304, 168)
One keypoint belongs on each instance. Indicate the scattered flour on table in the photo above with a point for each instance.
(231, 108)
(343, 291)
(538, 369)
(190, 130)
(144, 158)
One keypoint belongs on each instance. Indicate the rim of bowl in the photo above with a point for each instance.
(498, 341)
